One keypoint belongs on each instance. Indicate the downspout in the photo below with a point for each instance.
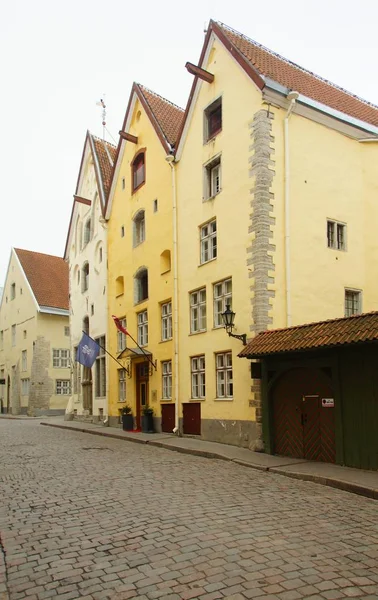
(292, 96)
(171, 161)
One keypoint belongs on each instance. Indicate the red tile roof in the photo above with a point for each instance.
(106, 154)
(48, 277)
(292, 76)
(324, 334)
(168, 116)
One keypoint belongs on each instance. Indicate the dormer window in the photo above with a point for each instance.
(213, 119)
(138, 171)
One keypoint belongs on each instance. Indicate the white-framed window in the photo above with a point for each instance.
(198, 376)
(139, 228)
(222, 292)
(61, 358)
(100, 389)
(213, 119)
(166, 321)
(121, 337)
(24, 360)
(198, 311)
(13, 291)
(143, 328)
(336, 235)
(67, 331)
(63, 387)
(225, 384)
(13, 335)
(166, 369)
(2, 339)
(121, 385)
(353, 302)
(208, 237)
(212, 181)
(25, 386)
(76, 373)
(85, 277)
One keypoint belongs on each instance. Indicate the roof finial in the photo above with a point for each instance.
(102, 103)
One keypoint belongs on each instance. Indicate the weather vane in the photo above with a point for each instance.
(102, 103)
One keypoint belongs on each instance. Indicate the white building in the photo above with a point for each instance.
(86, 254)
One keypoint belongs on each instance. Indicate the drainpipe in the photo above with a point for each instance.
(292, 97)
(171, 161)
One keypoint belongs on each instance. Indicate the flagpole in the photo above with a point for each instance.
(125, 331)
(111, 355)
(140, 348)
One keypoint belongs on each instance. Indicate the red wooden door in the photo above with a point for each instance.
(167, 417)
(311, 427)
(191, 418)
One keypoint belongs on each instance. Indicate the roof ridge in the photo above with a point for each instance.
(102, 140)
(143, 87)
(311, 323)
(293, 64)
(36, 252)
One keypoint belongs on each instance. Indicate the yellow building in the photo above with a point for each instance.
(140, 260)
(276, 186)
(35, 335)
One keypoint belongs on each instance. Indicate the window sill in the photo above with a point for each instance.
(207, 262)
(223, 399)
(138, 244)
(121, 401)
(212, 137)
(197, 332)
(141, 301)
(165, 341)
(211, 197)
(119, 295)
(197, 400)
(164, 400)
(164, 272)
(337, 249)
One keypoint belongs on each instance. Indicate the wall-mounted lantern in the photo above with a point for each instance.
(228, 319)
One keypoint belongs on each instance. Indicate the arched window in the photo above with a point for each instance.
(165, 261)
(139, 228)
(87, 232)
(141, 285)
(86, 325)
(119, 286)
(138, 170)
(85, 277)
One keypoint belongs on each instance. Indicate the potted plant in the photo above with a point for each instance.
(148, 420)
(127, 418)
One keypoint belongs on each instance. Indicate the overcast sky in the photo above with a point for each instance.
(59, 58)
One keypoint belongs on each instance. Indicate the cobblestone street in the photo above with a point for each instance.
(93, 518)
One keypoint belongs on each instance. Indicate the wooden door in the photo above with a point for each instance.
(167, 417)
(303, 415)
(192, 418)
(141, 392)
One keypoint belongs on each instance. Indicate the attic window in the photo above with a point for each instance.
(87, 232)
(138, 171)
(13, 291)
(213, 119)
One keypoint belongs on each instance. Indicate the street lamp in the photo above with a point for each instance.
(228, 319)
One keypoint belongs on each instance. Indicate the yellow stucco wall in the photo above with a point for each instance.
(22, 311)
(124, 260)
(231, 207)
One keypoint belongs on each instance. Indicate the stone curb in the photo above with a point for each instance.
(340, 484)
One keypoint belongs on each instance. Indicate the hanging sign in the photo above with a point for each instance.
(328, 402)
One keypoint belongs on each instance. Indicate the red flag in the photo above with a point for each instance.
(119, 325)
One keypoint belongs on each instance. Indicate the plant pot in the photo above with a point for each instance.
(127, 422)
(148, 423)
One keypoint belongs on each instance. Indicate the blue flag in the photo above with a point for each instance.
(87, 351)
